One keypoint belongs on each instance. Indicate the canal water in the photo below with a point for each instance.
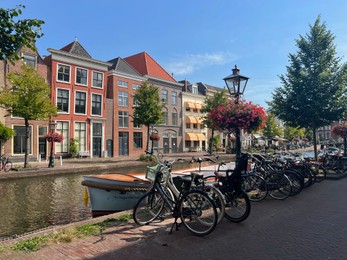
(30, 204)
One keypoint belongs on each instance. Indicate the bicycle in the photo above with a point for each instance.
(194, 207)
(5, 163)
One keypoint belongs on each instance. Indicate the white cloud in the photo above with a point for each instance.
(190, 63)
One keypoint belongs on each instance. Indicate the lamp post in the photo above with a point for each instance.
(52, 126)
(236, 85)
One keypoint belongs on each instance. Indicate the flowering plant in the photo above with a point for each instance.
(245, 115)
(54, 137)
(340, 130)
(154, 137)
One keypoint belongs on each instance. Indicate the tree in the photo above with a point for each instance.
(292, 132)
(17, 34)
(148, 108)
(5, 133)
(271, 128)
(314, 88)
(27, 96)
(210, 103)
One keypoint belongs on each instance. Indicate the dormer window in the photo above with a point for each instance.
(194, 90)
(29, 60)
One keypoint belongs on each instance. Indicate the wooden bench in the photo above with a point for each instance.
(83, 154)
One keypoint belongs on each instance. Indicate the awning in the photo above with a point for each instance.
(198, 106)
(190, 105)
(191, 137)
(191, 120)
(201, 137)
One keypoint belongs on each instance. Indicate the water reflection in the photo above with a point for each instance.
(29, 204)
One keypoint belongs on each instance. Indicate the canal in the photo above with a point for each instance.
(29, 204)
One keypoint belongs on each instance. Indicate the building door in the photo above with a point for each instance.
(97, 139)
(42, 148)
(123, 143)
(174, 144)
(166, 145)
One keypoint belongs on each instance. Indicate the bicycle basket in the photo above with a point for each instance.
(152, 171)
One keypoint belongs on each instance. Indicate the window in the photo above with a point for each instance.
(135, 102)
(123, 119)
(194, 90)
(63, 73)
(136, 86)
(80, 102)
(96, 104)
(123, 99)
(19, 140)
(174, 118)
(174, 98)
(195, 126)
(81, 135)
(97, 79)
(122, 84)
(63, 100)
(164, 96)
(137, 140)
(136, 122)
(29, 60)
(81, 76)
(187, 125)
(165, 118)
(63, 128)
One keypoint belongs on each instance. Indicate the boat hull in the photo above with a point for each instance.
(112, 193)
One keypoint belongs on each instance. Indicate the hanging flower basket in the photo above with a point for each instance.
(154, 137)
(305, 139)
(340, 130)
(245, 115)
(54, 137)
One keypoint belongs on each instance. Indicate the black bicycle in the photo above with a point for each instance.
(5, 163)
(194, 207)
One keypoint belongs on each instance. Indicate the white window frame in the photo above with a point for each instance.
(102, 79)
(61, 64)
(91, 104)
(31, 57)
(122, 84)
(86, 100)
(81, 84)
(123, 98)
(69, 99)
(83, 149)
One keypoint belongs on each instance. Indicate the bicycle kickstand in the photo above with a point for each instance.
(174, 224)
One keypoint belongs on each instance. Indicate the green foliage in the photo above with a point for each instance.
(215, 140)
(313, 92)
(292, 132)
(272, 129)
(30, 245)
(148, 109)
(73, 147)
(6, 133)
(17, 33)
(28, 95)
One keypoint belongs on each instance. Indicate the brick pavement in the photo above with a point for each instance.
(310, 225)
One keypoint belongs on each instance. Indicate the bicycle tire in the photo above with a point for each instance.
(319, 172)
(148, 208)
(296, 180)
(198, 212)
(279, 185)
(237, 206)
(218, 198)
(8, 166)
(255, 187)
(305, 174)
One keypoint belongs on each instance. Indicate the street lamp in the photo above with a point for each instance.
(52, 126)
(236, 85)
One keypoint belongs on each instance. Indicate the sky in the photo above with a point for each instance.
(196, 40)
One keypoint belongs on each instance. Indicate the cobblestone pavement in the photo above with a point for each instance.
(310, 225)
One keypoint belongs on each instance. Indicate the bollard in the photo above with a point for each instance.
(61, 161)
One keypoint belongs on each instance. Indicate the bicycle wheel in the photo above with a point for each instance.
(296, 180)
(278, 185)
(237, 206)
(148, 208)
(255, 187)
(8, 166)
(198, 212)
(218, 198)
(305, 174)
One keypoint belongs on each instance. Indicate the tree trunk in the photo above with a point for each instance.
(315, 144)
(344, 146)
(211, 140)
(27, 143)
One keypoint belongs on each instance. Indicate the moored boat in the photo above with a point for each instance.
(110, 193)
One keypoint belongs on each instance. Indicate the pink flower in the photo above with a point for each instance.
(54, 137)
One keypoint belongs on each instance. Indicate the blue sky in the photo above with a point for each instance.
(200, 41)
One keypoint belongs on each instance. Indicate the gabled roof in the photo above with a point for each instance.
(121, 65)
(146, 65)
(77, 49)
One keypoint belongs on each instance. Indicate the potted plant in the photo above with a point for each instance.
(154, 137)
